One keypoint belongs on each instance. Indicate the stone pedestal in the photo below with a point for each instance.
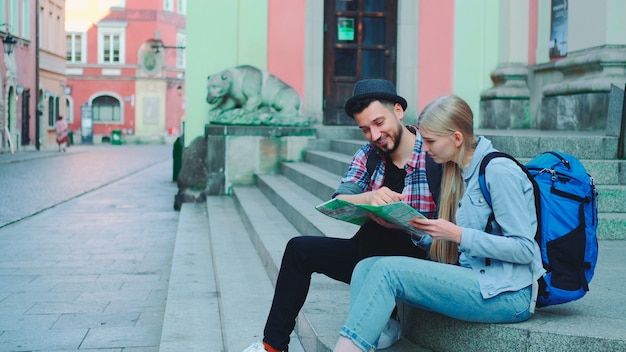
(236, 153)
(506, 105)
(580, 101)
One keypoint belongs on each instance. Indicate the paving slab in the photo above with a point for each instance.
(91, 272)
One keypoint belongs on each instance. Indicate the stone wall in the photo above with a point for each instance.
(236, 153)
(570, 94)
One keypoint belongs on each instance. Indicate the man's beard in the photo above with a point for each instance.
(396, 142)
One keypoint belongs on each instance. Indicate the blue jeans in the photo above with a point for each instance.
(333, 257)
(443, 288)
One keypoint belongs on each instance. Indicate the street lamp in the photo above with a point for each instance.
(159, 46)
(9, 43)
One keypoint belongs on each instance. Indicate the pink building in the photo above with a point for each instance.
(125, 68)
(18, 77)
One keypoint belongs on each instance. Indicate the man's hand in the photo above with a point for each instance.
(384, 196)
(378, 197)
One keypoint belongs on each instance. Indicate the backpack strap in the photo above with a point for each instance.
(483, 166)
(483, 188)
(373, 157)
(433, 172)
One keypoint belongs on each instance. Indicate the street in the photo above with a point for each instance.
(86, 242)
(48, 178)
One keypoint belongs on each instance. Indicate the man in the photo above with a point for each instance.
(399, 174)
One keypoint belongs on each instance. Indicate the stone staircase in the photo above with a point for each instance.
(280, 206)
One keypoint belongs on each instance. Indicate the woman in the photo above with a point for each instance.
(473, 275)
(61, 129)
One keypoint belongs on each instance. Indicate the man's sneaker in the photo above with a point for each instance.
(256, 347)
(391, 334)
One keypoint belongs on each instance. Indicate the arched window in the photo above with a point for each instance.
(106, 109)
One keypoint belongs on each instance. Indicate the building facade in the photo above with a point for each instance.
(52, 82)
(125, 68)
(519, 64)
(19, 128)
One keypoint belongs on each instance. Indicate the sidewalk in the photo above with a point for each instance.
(23, 155)
(93, 272)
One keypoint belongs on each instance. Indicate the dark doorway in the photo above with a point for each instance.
(26, 117)
(359, 43)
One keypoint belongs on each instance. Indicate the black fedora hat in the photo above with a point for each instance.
(374, 89)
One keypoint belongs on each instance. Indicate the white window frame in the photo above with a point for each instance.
(3, 14)
(112, 29)
(25, 32)
(168, 5)
(181, 58)
(182, 7)
(83, 47)
(14, 18)
(113, 95)
(69, 109)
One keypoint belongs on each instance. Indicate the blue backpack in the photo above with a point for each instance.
(567, 218)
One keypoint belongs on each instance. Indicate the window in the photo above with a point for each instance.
(182, 7)
(52, 114)
(111, 48)
(25, 32)
(168, 5)
(180, 53)
(111, 42)
(3, 14)
(106, 108)
(75, 47)
(69, 109)
(15, 17)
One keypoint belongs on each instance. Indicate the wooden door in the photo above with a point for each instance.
(359, 43)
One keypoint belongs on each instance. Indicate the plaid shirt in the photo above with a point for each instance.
(357, 180)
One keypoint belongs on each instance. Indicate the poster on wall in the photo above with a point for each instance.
(345, 28)
(558, 29)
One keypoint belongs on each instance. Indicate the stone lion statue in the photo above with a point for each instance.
(247, 95)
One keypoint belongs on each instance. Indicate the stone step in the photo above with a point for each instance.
(611, 226)
(314, 179)
(244, 289)
(327, 303)
(298, 205)
(604, 172)
(593, 323)
(528, 143)
(523, 143)
(611, 199)
(611, 216)
(331, 161)
(189, 322)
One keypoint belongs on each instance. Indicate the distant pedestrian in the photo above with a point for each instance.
(61, 129)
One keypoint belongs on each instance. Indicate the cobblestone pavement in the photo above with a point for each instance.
(86, 249)
(34, 181)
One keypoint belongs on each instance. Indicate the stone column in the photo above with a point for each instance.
(506, 104)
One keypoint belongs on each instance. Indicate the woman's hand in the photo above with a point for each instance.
(438, 229)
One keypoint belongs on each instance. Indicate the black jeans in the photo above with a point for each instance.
(333, 257)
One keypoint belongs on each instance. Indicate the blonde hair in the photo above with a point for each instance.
(442, 117)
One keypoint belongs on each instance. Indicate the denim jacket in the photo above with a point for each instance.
(508, 259)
